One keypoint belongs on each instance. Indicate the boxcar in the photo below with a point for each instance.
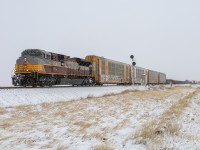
(108, 71)
(152, 77)
(139, 75)
(162, 78)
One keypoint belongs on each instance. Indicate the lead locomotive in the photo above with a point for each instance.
(37, 67)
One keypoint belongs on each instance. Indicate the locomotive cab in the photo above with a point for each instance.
(27, 67)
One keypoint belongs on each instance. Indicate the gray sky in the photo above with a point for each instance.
(164, 35)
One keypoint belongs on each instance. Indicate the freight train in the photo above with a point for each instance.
(172, 81)
(37, 67)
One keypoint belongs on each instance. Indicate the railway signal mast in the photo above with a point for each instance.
(133, 61)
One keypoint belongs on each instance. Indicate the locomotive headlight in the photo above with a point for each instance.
(25, 59)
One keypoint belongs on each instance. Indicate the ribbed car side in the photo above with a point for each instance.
(107, 71)
(142, 76)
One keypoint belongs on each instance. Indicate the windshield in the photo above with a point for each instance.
(33, 52)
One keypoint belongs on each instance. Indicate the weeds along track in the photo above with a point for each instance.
(153, 134)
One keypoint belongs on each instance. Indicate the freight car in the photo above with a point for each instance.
(37, 67)
(162, 78)
(108, 71)
(142, 76)
(171, 81)
(139, 75)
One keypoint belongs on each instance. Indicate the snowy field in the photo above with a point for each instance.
(100, 118)
(32, 96)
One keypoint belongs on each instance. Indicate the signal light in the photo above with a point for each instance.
(133, 61)
(131, 56)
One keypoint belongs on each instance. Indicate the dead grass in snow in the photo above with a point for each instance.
(23, 108)
(46, 146)
(46, 105)
(83, 125)
(121, 93)
(103, 147)
(5, 125)
(60, 113)
(80, 113)
(5, 138)
(190, 137)
(3, 111)
(167, 123)
(97, 135)
(61, 147)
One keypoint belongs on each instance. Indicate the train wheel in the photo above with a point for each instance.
(34, 85)
(41, 85)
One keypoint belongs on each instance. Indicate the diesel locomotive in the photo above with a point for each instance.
(37, 67)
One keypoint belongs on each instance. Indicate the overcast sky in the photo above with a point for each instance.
(163, 35)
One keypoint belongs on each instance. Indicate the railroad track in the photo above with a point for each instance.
(29, 87)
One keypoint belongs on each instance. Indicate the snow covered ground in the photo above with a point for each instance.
(31, 96)
(100, 118)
